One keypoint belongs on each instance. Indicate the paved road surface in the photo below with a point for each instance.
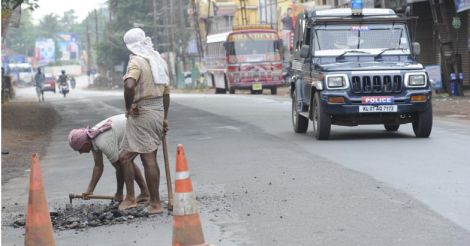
(259, 183)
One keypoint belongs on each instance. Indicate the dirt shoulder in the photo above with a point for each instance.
(26, 128)
(452, 107)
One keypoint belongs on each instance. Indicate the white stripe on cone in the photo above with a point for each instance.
(185, 204)
(182, 175)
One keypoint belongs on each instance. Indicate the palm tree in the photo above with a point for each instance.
(50, 25)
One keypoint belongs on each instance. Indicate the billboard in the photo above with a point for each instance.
(462, 5)
(44, 51)
(67, 44)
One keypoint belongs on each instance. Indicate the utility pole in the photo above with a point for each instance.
(181, 30)
(200, 49)
(96, 26)
(88, 51)
(243, 12)
(154, 5)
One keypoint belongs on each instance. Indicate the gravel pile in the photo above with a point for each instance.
(89, 215)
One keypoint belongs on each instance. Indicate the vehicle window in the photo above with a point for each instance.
(252, 44)
(370, 36)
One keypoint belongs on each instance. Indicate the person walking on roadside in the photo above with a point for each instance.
(106, 138)
(147, 99)
(39, 79)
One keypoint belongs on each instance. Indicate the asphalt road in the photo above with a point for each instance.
(259, 183)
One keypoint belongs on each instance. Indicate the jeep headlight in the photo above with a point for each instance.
(415, 80)
(337, 81)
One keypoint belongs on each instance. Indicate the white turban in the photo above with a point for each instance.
(140, 45)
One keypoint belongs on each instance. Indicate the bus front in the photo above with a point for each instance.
(254, 61)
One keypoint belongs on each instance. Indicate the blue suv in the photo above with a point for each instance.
(352, 69)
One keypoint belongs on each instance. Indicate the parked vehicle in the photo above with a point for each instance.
(50, 83)
(22, 73)
(248, 58)
(353, 68)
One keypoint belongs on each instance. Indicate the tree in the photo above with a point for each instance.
(22, 39)
(125, 15)
(49, 25)
(68, 20)
(7, 9)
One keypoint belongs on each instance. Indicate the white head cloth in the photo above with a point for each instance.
(140, 45)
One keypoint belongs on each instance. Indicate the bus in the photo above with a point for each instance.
(247, 58)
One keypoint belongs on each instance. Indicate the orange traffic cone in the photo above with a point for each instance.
(38, 222)
(187, 229)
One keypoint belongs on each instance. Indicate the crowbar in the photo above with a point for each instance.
(73, 195)
(168, 176)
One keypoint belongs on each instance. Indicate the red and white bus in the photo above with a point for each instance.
(247, 58)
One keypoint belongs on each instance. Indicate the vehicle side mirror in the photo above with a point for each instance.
(416, 48)
(305, 51)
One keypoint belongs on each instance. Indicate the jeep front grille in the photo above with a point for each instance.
(377, 84)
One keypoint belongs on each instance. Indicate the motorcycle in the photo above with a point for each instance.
(64, 89)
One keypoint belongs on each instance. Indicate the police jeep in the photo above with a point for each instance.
(352, 68)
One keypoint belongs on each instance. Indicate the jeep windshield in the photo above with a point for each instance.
(362, 39)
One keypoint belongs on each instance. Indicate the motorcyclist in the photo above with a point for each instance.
(63, 79)
(63, 83)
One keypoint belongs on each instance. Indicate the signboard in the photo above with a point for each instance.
(434, 73)
(252, 36)
(462, 5)
(44, 51)
(68, 46)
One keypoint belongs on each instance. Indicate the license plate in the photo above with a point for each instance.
(378, 108)
(257, 87)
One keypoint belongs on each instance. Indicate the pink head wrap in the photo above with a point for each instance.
(78, 137)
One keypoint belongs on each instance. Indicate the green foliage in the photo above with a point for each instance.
(126, 14)
(21, 40)
(49, 25)
(13, 4)
(63, 63)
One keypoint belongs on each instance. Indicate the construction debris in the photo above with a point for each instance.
(89, 215)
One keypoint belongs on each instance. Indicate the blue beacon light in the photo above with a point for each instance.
(356, 7)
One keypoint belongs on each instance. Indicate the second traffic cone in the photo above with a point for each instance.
(38, 221)
(187, 229)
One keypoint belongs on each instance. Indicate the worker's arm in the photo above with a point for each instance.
(97, 172)
(129, 93)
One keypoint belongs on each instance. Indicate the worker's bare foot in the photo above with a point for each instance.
(143, 198)
(118, 198)
(127, 203)
(155, 208)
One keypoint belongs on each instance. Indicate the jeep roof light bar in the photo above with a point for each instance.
(369, 19)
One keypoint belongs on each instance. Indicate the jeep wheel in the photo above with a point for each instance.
(299, 122)
(321, 120)
(391, 127)
(422, 125)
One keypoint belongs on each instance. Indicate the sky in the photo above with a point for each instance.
(81, 7)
